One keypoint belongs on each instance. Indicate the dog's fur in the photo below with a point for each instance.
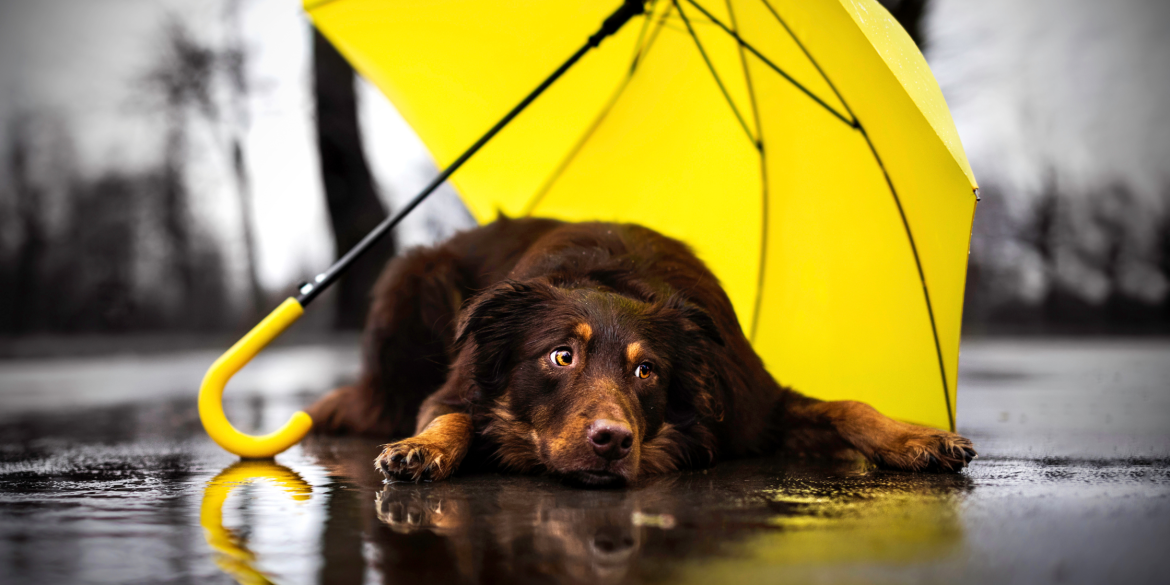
(597, 352)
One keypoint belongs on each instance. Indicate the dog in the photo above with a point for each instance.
(596, 352)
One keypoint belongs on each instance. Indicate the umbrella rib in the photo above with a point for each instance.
(897, 201)
(640, 51)
(640, 46)
(921, 275)
(764, 211)
(718, 81)
(816, 65)
(748, 78)
(774, 67)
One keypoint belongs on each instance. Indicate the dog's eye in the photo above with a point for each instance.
(562, 357)
(643, 370)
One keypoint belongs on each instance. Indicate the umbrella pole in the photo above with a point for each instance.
(211, 391)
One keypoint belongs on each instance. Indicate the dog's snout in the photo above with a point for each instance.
(612, 540)
(610, 439)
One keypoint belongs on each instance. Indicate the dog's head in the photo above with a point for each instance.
(589, 384)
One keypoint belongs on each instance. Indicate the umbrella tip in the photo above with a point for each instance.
(628, 10)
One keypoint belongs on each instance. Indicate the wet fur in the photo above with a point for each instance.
(456, 350)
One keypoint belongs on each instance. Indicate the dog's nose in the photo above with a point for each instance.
(610, 439)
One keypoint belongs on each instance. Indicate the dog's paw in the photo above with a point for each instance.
(923, 449)
(411, 511)
(402, 514)
(414, 459)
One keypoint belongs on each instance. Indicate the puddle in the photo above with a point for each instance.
(135, 492)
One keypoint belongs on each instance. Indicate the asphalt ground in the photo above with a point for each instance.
(106, 476)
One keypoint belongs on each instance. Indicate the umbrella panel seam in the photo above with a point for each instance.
(921, 276)
(761, 271)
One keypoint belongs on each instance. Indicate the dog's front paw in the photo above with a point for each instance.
(923, 449)
(414, 459)
(405, 509)
(431, 455)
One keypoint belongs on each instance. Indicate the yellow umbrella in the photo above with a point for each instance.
(801, 147)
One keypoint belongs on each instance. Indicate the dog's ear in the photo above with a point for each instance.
(692, 318)
(494, 321)
(696, 394)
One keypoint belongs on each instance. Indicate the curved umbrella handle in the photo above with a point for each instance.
(211, 392)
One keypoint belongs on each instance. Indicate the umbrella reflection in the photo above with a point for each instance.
(232, 555)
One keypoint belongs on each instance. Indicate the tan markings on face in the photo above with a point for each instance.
(584, 331)
(563, 438)
(633, 352)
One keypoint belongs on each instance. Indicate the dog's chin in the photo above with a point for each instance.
(594, 479)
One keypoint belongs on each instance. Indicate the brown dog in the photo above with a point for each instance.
(596, 352)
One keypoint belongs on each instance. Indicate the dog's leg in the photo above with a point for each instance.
(441, 439)
(432, 454)
(405, 344)
(812, 425)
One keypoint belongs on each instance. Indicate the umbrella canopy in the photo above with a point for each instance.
(801, 147)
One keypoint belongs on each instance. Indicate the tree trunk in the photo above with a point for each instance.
(354, 207)
(175, 217)
(234, 60)
(909, 14)
(23, 315)
(248, 219)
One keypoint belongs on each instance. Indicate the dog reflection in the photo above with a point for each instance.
(406, 511)
(593, 545)
(551, 534)
(491, 529)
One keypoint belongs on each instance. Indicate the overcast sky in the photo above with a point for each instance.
(1075, 88)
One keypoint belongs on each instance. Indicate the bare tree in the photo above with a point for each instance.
(234, 61)
(21, 312)
(182, 77)
(186, 76)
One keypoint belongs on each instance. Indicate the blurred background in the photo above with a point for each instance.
(172, 169)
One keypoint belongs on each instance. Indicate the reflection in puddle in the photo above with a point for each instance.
(757, 520)
(534, 532)
(838, 523)
(763, 517)
(231, 552)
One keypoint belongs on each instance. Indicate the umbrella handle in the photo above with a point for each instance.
(211, 392)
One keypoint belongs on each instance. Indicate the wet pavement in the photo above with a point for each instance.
(106, 476)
